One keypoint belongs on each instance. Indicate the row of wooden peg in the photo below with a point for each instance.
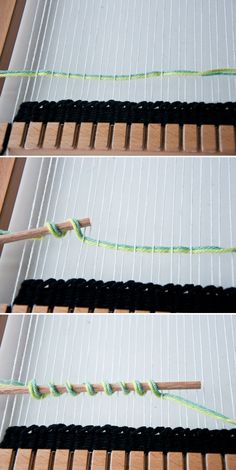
(80, 310)
(76, 139)
(43, 459)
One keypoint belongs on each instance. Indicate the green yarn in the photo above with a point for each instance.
(107, 388)
(4, 232)
(138, 388)
(146, 249)
(124, 388)
(54, 230)
(54, 390)
(35, 392)
(154, 388)
(199, 408)
(14, 383)
(70, 389)
(118, 77)
(90, 389)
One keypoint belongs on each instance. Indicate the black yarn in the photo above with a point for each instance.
(129, 295)
(128, 112)
(110, 438)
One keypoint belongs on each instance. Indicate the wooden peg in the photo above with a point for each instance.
(190, 138)
(99, 460)
(194, 461)
(136, 460)
(80, 460)
(119, 137)
(101, 137)
(101, 310)
(175, 461)
(141, 312)
(230, 462)
(227, 137)
(172, 141)
(60, 309)
(122, 312)
(81, 310)
(50, 141)
(208, 139)
(136, 137)
(33, 136)
(85, 136)
(17, 137)
(156, 461)
(42, 459)
(6, 456)
(40, 309)
(68, 136)
(61, 460)
(117, 460)
(154, 138)
(20, 309)
(23, 459)
(214, 462)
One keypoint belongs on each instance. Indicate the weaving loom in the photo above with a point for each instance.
(130, 202)
(179, 348)
(118, 77)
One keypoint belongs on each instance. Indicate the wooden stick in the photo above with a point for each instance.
(39, 232)
(16, 390)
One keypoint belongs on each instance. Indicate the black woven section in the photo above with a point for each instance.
(126, 295)
(121, 438)
(129, 112)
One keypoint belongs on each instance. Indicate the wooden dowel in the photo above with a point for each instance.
(81, 388)
(39, 232)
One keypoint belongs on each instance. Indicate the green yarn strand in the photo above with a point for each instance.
(54, 390)
(199, 408)
(54, 230)
(107, 389)
(90, 389)
(35, 392)
(118, 77)
(70, 390)
(138, 388)
(124, 388)
(146, 249)
(154, 388)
